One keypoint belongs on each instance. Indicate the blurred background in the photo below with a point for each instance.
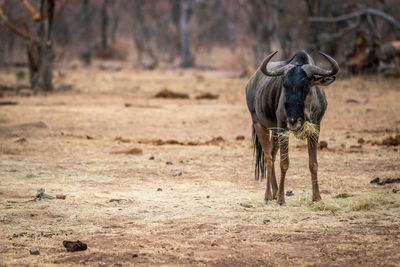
(221, 34)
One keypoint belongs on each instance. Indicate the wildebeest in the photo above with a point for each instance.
(281, 96)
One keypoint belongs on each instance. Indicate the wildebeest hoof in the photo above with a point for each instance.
(280, 201)
(268, 197)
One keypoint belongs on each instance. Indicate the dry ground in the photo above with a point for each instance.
(133, 210)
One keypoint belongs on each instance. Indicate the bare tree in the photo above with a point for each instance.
(260, 26)
(176, 16)
(363, 46)
(85, 34)
(145, 50)
(40, 48)
(104, 24)
(187, 59)
(281, 32)
(115, 19)
(43, 79)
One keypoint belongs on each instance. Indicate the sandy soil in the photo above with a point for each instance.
(131, 209)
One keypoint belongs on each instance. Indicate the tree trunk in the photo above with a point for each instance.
(85, 34)
(313, 10)
(176, 16)
(259, 24)
(40, 49)
(281, 34)
(104, 24)
(187, 59)
(114, 23)
(146, 57)
(41, 57)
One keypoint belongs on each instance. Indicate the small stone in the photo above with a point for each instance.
(289, 193)
(159, 189)
(322, 145)
(239, 137)
(135, 255)
(352, 100)
(246, 205)
(20, 140)
(374, 181)
(151, 157)
(118, 200)
(395, 190)
(178, 173)
(61, 196)
(207, 196)
(72, 246)
(34, 252)
(168, 163)
(127, 105)
(266, 220)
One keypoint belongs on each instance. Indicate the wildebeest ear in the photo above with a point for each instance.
(324, 81)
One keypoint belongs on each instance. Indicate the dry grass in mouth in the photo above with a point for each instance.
(309, 130)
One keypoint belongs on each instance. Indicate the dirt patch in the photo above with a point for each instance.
(390, 141)
(131, 150)
(159, 142)
(167, 93)
(38, 124)
(122, 140)
(207, 95)
(8, 103)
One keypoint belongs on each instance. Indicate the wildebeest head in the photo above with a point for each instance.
(299, 77)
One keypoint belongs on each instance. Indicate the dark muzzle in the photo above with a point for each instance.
(295, 124)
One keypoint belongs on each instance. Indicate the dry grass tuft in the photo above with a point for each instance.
(369, 202)
(343, 195)
(325, 206)
(362, 202)
(308, 131)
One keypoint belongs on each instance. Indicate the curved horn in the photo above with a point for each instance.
(273, 73)
(315, 70)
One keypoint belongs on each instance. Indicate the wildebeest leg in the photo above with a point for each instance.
(284, 154)
(313, 164)
(263, 136)
(273, 148)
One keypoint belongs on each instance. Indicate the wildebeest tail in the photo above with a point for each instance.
(259, 166)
